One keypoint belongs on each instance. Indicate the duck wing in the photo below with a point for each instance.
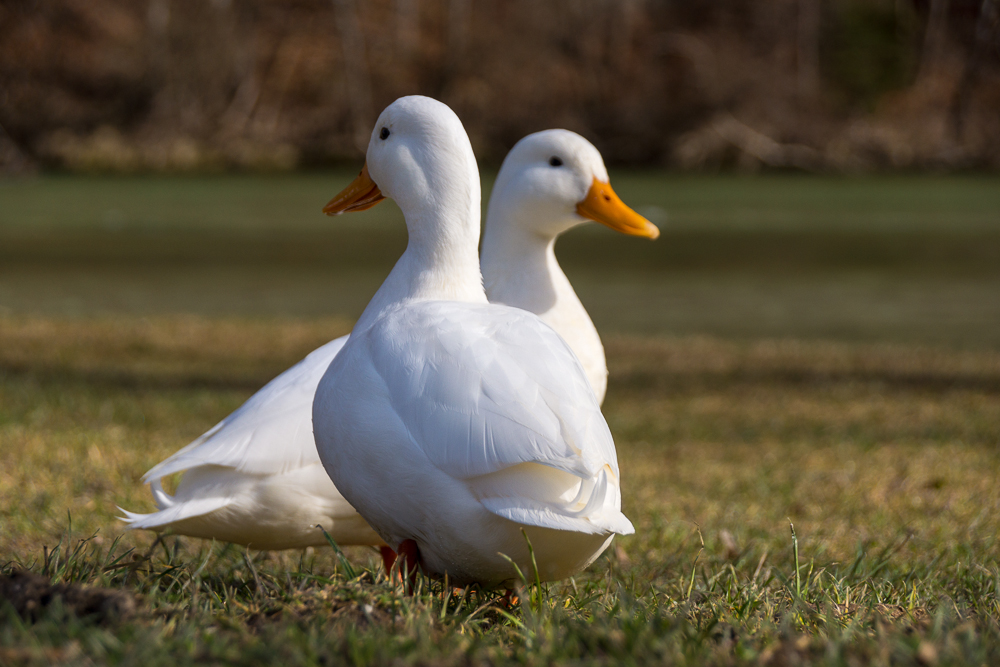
(269, 435)
(491, 395)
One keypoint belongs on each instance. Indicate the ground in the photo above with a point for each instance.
(812, 493)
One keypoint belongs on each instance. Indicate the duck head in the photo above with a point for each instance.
(554, 180)
(419, 155)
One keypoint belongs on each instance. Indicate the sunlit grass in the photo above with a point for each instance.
(850, 388)
(882, 456)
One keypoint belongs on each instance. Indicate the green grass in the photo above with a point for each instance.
(882, 456)
(292, 202)
(816, 352)
(914, 259)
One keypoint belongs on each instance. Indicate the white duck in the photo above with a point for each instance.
(456, 427)
(537, 197)
(256, 478)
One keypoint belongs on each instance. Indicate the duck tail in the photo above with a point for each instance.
(171, 510)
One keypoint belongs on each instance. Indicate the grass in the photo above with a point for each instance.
(292, 202)
(804, 392)
(914, 259)
(883, 457)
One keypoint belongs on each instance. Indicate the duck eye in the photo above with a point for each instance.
(555, 162)
(384, 134)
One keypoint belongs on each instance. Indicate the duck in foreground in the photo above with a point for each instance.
(256, 479)
(455, 427)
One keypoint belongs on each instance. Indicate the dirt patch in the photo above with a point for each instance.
(30, 594)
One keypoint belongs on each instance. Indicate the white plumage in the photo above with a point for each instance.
(449, 421)
(256, 478)
(540, 193)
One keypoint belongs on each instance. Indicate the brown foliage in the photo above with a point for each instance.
(806, 84)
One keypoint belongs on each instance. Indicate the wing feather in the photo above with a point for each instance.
(487, 389)
(269, 434)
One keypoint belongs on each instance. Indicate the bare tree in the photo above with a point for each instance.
(407, 28)
(359, 81)
(935, 38)
(235, 118)
(810, 13)
(625, 20)
(459, 27)
(987, 38)
(158, 21)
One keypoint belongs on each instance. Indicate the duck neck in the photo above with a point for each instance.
(520, 269)
(440, 262)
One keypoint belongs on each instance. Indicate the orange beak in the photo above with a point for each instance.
(360, 195)
(602, 205)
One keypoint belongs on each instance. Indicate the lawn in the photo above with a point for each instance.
(822, 354)
(905, 259)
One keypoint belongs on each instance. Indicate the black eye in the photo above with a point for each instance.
(555, 162)
(384, 134)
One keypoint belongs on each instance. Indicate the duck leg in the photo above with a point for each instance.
(510, 599)
(388, 559)
(410, 553)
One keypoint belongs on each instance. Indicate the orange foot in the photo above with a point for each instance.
(410, 553)
(388, 559)
(510, 599)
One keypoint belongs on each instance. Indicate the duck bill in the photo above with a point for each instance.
(360, 195)
(602, 205)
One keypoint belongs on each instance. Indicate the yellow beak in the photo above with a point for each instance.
(360, 195)
(602, 205)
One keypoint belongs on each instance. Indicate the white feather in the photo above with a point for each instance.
(255, 477)
(451, 422)
(246, 479)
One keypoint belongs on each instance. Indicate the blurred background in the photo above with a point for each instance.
(814, 338)
(824, 298)
(820, 168)
(807, 84)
